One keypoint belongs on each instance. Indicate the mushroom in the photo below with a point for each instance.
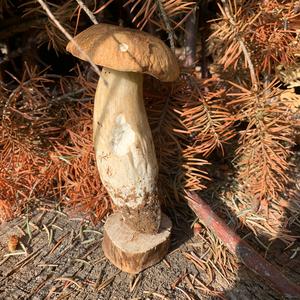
(124, 148)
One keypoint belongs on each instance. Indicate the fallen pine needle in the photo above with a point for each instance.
(15, 253)
(23, 247)
(134, 282)
(48, 265)
(166, 263)
(178, 280)
(21, 230)
(88, 241)
(57, 227)
(49, 234)
(184, 292)
(28, 227)
(108, 281)
(70, 280)
(156, 295)
(82, 261)
(24, 262)
(92, 231)
(4, 260)
(57, 244)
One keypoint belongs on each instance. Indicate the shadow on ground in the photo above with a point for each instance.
(285, 256)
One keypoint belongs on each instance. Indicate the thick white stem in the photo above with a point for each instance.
(124, 148)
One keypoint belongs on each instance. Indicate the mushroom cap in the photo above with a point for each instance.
(125, 49)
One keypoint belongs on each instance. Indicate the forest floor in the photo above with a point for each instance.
(61, 258)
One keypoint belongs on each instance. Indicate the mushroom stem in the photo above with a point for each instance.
(124, 149)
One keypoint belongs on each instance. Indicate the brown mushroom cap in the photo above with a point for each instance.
(125, 49)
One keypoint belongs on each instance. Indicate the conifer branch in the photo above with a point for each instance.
(242, 45)
(67, 35)
(167, 24)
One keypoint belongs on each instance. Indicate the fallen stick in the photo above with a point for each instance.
(249, 257)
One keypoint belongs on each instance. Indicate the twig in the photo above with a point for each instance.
(166, 21)
(250, 258)
(87, 11)
(204, 33)
(191, 29)
(68, 36)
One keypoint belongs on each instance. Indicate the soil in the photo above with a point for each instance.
(64, 260)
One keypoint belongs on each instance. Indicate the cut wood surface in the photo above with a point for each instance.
(132, 251)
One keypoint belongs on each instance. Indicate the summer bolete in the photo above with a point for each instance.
(123, 141)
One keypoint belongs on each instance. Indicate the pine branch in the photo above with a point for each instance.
(12, 26)
(68, 36)
(207, 121)
(264, 147)
(147, 11)
(259, 33)
(242, 44)
(167, 24)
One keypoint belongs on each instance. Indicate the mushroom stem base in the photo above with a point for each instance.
(132, 251)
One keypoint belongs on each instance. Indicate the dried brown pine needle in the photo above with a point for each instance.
(254, 36)
(33, 145)
(147, 11)
(107, 282)
(264, 146)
